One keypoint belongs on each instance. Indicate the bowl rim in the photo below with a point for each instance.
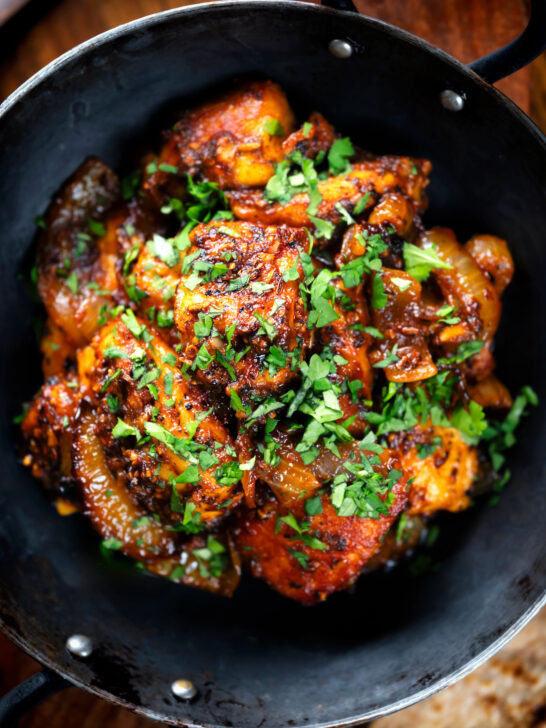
(156, 19)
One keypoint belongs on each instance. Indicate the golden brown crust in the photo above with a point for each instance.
(376, 177)
(226, 141)
(152, 395)
(440, 480)
(48, 431)
(250, 290)
(275, 552)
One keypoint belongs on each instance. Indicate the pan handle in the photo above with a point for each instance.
(506, 60)
(517, 54)
(28, 694)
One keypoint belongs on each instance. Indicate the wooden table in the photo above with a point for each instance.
(45, 29)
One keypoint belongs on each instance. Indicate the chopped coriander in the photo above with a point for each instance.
(110, 379)
(301, 558)
(202, 359)
(379, 296)
(372, 331)
(112, 544)
(401, 283)
(313, 506)
(420, 262)
(344, 214)
(177, 573)
(165, 318)
(129, 185)
(130, 320)
(123, 429)
(72, 282)
(361, 204)
(113, 403)
(273, 127)
(96, 227)
(170, 168)
(266, 327)
(236, 403)
(259, 287)
(339, 155)
(238, 283)
(292, 273)
(323, 228)
(163, 249)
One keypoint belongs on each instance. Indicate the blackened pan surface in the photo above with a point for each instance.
(259, 660)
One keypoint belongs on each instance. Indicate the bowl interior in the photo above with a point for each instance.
(259, 660)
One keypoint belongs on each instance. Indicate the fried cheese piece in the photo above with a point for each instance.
(233, 141)
(307, 558)
(240, 322)
(161, 439)
(442, 467)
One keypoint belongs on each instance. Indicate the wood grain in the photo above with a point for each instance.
(46, 28)
(465, 28)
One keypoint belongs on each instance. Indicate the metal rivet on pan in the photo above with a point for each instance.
(184, 689)
(451, 100)
(79, 645)
(340, 48)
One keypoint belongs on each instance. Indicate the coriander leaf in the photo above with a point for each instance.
(129, 185)
(300, 557)
(266, 327)
(313, 506)
(420, 262)
(470, 422)
(338, 156)
(390, 359)
(323, 313)
(291, 274)
(345, 216)
(259, 287)
(273, 127)
(72, 282)
(236, 403)
(323, 228)
(112, 544)
(401, 283)
(379, 296)
(361, 204)
(130, 320)
(110, 379)
(372, 331)
(123, 429)
(163, 249)
(97, 228)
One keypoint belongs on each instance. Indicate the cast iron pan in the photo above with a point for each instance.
(259, 661)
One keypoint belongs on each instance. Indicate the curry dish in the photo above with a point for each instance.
(257, 357)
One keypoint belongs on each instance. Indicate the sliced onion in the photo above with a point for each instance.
(493, 257)
(464, 284)
(491, 392)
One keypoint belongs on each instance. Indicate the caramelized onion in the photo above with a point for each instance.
(399, 322)
(464, 284)
(291, 480)
(108, 504)
(491, 392)
(114, 515)
(393, 209)
(493, 257)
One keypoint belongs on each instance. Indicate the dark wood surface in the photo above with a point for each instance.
(44, 29)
